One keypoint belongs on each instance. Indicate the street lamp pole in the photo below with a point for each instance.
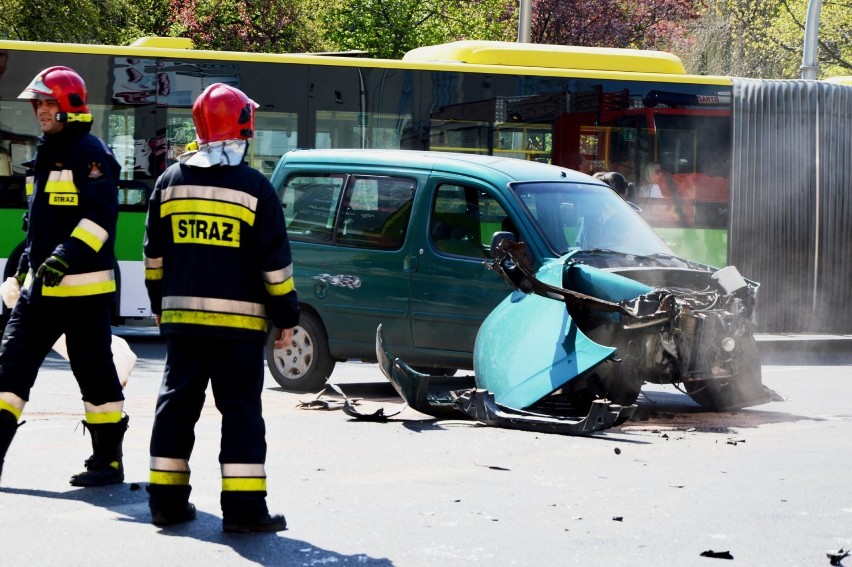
(809, 51)
(524, 21)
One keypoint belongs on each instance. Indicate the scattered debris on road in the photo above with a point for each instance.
(717, 554)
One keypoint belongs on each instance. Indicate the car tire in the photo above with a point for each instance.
(306, 363)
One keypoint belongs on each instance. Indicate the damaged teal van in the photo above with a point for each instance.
(540, 277)
(399, 238)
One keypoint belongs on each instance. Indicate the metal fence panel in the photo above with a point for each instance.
(791, 217)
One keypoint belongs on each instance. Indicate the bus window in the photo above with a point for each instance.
(466, 136)
(275, 133)
(342, 129)
(180, 131)
(533, 142)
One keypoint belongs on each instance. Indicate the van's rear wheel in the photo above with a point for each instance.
(306, 363)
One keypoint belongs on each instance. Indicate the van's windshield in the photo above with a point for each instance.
(573, 216)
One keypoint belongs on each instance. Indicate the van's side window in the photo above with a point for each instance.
(463, 220)
(310, 203)
(375, 212)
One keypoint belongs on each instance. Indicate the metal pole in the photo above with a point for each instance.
(524, 21)
(809, 70)
(809, 51)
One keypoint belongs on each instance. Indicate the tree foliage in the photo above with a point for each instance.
(243, 25)
(69, 21)
(643, 24)
(764, 39)
(835, 36)
(390, 28)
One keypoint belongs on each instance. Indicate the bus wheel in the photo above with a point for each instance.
(306, 363)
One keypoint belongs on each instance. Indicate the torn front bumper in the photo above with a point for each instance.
(456, 397)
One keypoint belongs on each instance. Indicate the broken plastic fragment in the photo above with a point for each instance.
(717, 554)
(835, 557)
(350, 409)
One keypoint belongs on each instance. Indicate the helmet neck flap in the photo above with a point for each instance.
(228, 152)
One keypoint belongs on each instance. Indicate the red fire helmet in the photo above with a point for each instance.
(61, 84)
(223, 112)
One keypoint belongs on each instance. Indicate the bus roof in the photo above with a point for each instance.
(488, 57)
(550, 56)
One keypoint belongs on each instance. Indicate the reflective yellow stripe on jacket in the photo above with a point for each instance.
(90, 232)
(153, 269)
(279, 282)
(60, 182)
(219, 201)
(78, 285)
(61, 190)
(214, 312)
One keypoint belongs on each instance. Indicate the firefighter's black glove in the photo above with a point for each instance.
(52, 271)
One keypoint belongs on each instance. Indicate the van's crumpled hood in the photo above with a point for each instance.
(591, 334)
(526, 349)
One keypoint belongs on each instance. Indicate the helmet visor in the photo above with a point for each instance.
(37, 90)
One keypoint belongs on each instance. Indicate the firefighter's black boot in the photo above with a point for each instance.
(104, 466)
(246, 512)
(169, 504)
(8, 427)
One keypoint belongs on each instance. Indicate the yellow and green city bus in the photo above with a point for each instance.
(589, 109)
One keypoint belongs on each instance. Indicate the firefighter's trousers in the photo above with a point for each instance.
(234, 369)
(32, 330)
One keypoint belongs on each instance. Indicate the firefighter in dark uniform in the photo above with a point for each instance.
(218, 270)
(67, 273)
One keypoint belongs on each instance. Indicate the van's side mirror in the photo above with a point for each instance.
(496, 238)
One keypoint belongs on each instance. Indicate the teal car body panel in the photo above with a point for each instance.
(526, 349)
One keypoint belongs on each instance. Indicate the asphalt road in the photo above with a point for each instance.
(768, 485)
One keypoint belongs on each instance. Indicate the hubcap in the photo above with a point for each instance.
(294, 360)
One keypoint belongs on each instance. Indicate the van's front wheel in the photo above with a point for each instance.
(305, 364)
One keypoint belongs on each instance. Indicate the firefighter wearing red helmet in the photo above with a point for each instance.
(66, 87)
(218, 271)
(67, 273)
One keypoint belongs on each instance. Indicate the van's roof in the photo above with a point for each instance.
(466, 164)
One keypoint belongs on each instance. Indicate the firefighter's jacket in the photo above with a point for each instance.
(73, 212)
(217, 258)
